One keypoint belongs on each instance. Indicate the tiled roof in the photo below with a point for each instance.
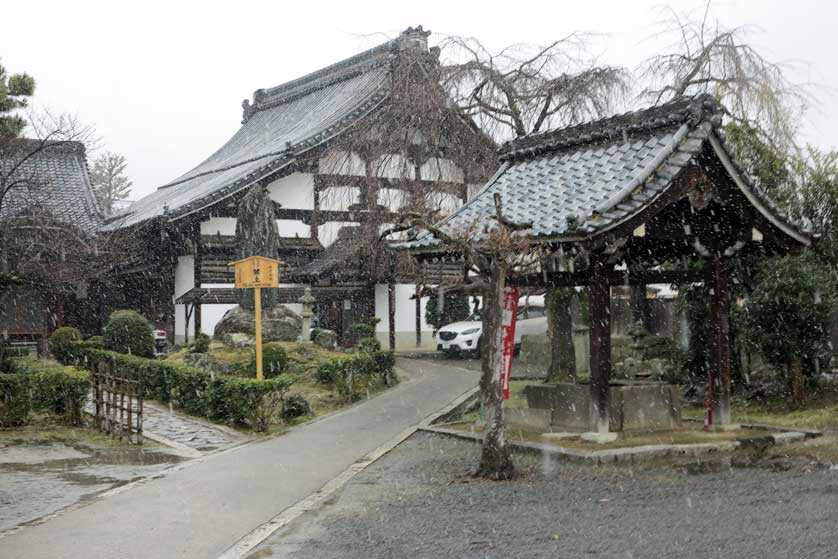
(577, 182)
(282, 123)
(59, 183)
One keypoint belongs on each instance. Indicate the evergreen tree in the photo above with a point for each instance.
(14, 92)
(110, 184)
(257, 235)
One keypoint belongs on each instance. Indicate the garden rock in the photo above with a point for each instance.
(279, 324)
(327, 339)
(238, 339)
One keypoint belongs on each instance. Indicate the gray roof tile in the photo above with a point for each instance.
(57, 181)
(589, 177)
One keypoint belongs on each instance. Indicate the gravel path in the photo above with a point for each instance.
(418, 501)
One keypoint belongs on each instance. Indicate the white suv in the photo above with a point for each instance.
(465, 336)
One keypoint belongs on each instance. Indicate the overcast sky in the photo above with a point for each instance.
(163, 81)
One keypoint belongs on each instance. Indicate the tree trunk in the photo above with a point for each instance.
(560, 334)
(495, 459)
(795, 383)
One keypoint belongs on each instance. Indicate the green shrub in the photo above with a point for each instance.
(295, 406)
(274, 361)
(15, 399)
(353, 376)
(198, 392)
(369, 345)
(62, 342)
(361, 330)
(251, 401)
(96, 341)
(128, 332)
(201, 344)
(6, 361)
(62, 391)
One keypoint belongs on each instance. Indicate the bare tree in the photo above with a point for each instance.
(707, 57)
(492, 256)
(525, 88)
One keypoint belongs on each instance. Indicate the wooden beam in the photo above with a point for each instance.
(197, 268)
(323, 181)
(719, 279)
(614, 277)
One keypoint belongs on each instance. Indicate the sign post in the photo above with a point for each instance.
(256, 272)
(510, 315)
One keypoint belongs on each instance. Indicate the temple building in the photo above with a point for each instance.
(341, 151)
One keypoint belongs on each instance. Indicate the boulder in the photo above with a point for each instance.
(279, 324)
(238, 339)
(327, 339)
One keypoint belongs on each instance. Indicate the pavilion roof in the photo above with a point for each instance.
(58, 179)
(282, 123)
(579, 182)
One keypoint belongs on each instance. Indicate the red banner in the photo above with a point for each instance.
(510, 314)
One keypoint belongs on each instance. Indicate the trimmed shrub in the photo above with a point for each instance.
(361, 330)
(62, 391)
(201, 344)
(128, 332)
(353, 376)
(96, 341)
(62, 342)
(15, 400)
(198, 392)
(274, 361)
(369, 345)
(246, 400)
(295, 406)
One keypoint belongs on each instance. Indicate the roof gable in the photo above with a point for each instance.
(59, 183)
(282, 123)
(579, 182)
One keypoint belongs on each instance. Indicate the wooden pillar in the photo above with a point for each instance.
(720, 351)
(197, 280)
(391, 314)
(418, 317)
(314, 225)
(600, 310)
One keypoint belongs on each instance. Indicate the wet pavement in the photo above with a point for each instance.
(39, 478)
(202, 508)
(185, 430)
(420, 501)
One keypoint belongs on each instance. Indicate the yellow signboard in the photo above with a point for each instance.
(256, 271)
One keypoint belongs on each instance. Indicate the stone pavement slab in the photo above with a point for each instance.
(201, 508)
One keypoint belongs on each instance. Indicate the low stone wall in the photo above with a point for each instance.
(534, 359)
(632, 405)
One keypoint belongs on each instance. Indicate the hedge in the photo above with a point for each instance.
(352, 376)
(41, 386)
(15, 399)
(61, 342)
(128, 332)
(196, 391)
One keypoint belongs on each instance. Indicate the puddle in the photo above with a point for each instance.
(38, 478)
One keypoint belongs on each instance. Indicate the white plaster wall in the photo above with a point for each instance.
(392, 198)
(444, 202)
(328, 232)
(184, 281)
(393, 166)
(219, 226)
(339, 162)
(440, 169)
(339, 197)
(295, 191)
(405, 309)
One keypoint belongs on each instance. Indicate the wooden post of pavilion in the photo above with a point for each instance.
(720, 369)
(600, 310)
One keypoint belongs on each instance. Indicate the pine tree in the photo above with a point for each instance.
(257, 235)
(14, 91)
(110, 184)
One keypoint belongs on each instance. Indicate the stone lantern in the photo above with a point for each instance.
(307, 301)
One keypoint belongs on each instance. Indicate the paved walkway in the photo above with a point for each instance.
(168, 426)
(201, 509)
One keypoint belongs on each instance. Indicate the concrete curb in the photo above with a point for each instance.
(250, 541)
(637, 454)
